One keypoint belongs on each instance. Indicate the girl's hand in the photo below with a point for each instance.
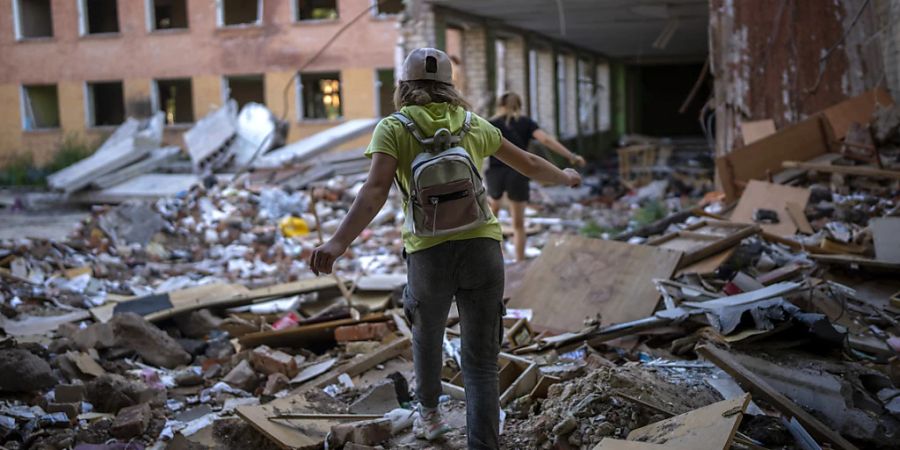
(573, 178)
(324, 256)
(577, 161)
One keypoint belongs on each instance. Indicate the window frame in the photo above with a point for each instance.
(24, 105)
(17, 24)
(90, 106)
(156, 100)
(84, 22)
(301, 106)
(295, 14)
(150, 10)
(220, 16)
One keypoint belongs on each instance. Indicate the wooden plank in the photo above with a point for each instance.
(707, 265)
(886, 231)
(302, 335)
(709, 428)
(576, 277)
(760, 388)
(795, 212)
(757, 129)
(221, 295)
(864, 171)
(359, 365)
(618, 444)
(706, 238)
(775, 197)
(288, 433)
(855, 262)
(800, 142)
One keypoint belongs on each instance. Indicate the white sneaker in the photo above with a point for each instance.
(429, 424)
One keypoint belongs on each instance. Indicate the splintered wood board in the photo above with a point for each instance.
(709, 428)
(288, 433)
(775, 197)
(577, 277)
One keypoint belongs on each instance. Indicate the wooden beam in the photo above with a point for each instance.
(360, 365)
(864, 171)
(758, 387)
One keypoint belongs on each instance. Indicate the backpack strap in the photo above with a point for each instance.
(442, 138)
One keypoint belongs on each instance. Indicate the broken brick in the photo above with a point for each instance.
(131, 421)
(276, 383)
(242, 376)
(70, 409)
(366, 432)
(70, 393)
(362, 332)
(269, 361)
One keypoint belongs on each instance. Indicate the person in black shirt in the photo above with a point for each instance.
(519, 130)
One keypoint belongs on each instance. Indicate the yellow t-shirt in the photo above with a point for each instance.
(391, 138)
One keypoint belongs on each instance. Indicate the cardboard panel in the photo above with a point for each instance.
(577, 277)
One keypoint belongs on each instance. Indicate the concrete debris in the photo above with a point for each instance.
(188, 318)
(23, 371)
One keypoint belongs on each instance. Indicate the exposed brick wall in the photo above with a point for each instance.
(203, 53)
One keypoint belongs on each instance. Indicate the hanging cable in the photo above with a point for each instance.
(287, 87)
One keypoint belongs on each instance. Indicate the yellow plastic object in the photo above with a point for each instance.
(293, 227)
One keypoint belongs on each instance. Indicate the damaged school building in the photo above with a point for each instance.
(725, 278)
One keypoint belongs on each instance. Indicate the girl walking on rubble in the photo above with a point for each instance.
(451, 238)
(501, 178)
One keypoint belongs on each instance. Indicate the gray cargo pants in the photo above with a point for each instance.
(472, 272)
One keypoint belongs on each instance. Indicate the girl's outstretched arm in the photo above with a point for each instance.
(535, 167)
(556, 147)
(365, 207)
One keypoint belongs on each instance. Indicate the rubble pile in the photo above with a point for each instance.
(653, 310)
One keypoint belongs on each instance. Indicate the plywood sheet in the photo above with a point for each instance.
(756, 130)
(709, 428)
(577, 277)
(775, 197)
(799, 142)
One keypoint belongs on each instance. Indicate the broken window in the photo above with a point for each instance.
(320, 96)
(385, 88)
(175, 99)
(387, 7)
(106, 103)
(246, 89)
(98, 16)
(604, 122)
(167, 14)
(33, 19)
(316, 10)
(40, 105)
(239, 12)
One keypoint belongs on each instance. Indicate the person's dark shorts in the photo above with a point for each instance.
(505, 179)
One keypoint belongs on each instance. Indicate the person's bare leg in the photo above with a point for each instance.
(517, 209)
(495, 205)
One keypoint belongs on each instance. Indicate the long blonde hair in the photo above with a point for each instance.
(423, 92)
(509, 107)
